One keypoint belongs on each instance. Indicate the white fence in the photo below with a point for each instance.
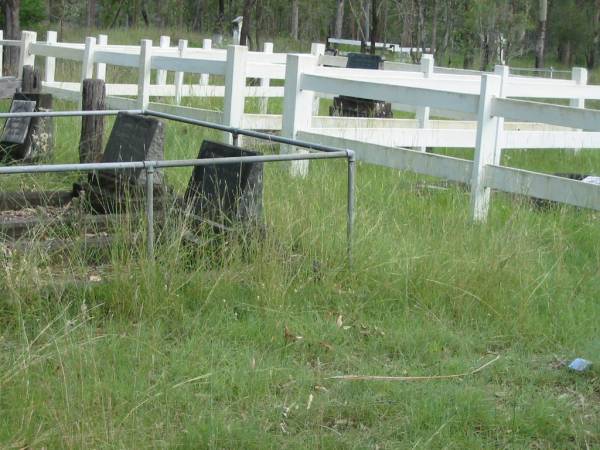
(485, 100)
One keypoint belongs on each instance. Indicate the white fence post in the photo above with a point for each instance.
(87, 64)
(205, 77)
(101, 67)
(265, 82)
(580, 76)
(485, 146)
(145, 71)
(504, 73)
(50, 70)
(182, 46)
(422, 114)
(1, 51)
(235, 87)
(297, 105)
(25, 56)
(161, 75)
(317, 49)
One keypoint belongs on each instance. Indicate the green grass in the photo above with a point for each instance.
(191, 352)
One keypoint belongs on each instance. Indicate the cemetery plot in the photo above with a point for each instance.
(358, 107)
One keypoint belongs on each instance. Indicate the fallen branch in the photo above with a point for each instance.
(423, 378)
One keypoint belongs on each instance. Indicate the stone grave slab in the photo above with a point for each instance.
(16, 130)
(40, 141)
(363, 61)
(359, 107)
(133, 138)
(224, 194)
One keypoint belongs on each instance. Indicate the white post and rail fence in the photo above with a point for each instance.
(487, 112)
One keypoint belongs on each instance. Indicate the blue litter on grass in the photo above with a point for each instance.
(580, 365)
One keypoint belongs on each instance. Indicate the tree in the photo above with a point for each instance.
(339, 19)
(541, 34)
(295, 14)
(12, 28)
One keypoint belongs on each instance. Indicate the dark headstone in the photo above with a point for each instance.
(40, 141)
(133, 138)
(363, 61)
(359, 107)
(16, 128)
(226, 193)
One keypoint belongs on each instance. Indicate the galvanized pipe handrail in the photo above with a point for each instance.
(150, 166)
(14, 115)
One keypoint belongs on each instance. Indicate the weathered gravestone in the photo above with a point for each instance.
(359, 107)
(16, 129)
(133, 138)
(227, 193)
(40, 140)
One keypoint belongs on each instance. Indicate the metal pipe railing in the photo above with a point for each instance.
(150, 166)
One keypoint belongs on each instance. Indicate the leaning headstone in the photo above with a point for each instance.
(133, 138)
(226, 193)
(359, 107)
(40, 141)
(16, 130)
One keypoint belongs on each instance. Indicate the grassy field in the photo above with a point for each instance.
(233, 343)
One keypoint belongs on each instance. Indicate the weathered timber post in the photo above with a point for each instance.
(31, 82)
(92, 127)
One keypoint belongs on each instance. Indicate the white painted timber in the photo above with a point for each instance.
(101, 67)
(26, 57)
(87, 64)
(163, 43)
(205, 77)
(182, 46)
(543, 186)
(57, 51)
(265, 81)
(50, 69)
(235, 80)
(188, 64)
(145, 71)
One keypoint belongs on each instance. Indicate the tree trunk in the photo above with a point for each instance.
(339, 19)
(374, 24)
(13, 31)
(247, 26)
(434, 22)
(295, 14)
(91, 14)
(220, 23)
(541, 35)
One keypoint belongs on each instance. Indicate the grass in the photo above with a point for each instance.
(202, 348)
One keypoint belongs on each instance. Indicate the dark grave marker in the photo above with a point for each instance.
(359, 107)
(227, 193)
(16, 128)
(363, 61)
(40, 140)
(133, 138)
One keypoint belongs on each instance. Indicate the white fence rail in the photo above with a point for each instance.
(424, 89)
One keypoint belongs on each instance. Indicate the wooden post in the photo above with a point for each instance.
(91, 142)
(101, 67)
(235, 87)
(31, 82)
(317, 49)
(297, 105)
(182, 46)
(265, 82)
(50, 60)
(205, 77)
(422, 115)
(487, 126)
(580, 76)
(25, 56)
(161, 75)
(144, 74)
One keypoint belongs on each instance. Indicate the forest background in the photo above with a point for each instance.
(464, 33)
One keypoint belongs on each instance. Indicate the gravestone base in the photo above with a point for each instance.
(357, 107)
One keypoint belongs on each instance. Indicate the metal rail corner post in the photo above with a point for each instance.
(150, 210)
(351, 203)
